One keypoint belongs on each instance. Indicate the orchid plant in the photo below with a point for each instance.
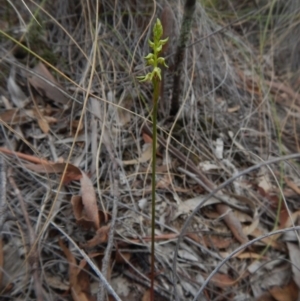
(153, 59)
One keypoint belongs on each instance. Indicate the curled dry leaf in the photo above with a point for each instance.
(47, 87)
(222, 280)
(16, 94)
(79, 212)
(146, 296)
(232, 223)
(73, 269)
(146, 156)
(72, 173)
(147, 138)
(189, 205)
(218, 242)
(21, 116)
(44, 125)
(272, 241)
(287, 293)
(121, 257)
(266, 296)
(100, 237)
(78, 276)
(123, 117)
(56, 282)
(89, 200)
(15, 116)
(88, 195)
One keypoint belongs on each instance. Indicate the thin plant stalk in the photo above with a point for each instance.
(154, 76)
(154, 119)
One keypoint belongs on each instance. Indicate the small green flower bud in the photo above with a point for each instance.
(151, 44)
(161, 61)
(164, 41)
(150, 62)
(157, 72)
(157, 30)
(149, 56)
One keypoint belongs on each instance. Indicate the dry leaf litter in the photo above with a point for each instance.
(75, 153)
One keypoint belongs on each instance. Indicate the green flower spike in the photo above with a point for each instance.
(152, 58)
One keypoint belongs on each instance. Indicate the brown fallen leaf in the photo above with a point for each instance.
(17, 95)
(233, 109)
(123, 117)
(292, 185)
(56, 282)
(147, 295)
(145, 156)
(72, 173)
(100, 237)
(222, 280)
(197, 238)
(218, 242)
(73, 269)
(79, 213)
(232, 223)
(122, 257)
(266, 296)
(78, 276)
(16, 116)
(287, 293)
(147, 138)
(47, 87)
(89, 200)
(44, 125)
(21, 116)
(249, 255)
(75, 124)
(268, 240)
(164, 182)
(26, 157)
(83, 280)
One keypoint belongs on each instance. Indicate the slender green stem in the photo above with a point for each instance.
(154, 60)
(154, 119)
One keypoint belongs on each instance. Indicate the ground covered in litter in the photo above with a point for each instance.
(76, 149)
